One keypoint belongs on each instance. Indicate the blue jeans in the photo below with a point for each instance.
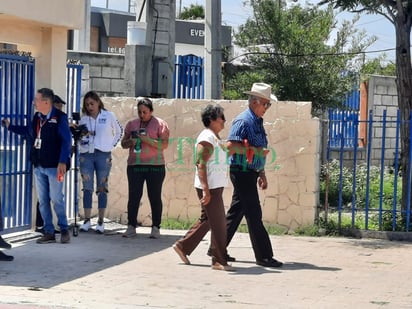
(101, 163)
(1, 217)
(50, 190)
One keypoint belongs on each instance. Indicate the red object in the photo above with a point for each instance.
(60, 177)
(249, 151)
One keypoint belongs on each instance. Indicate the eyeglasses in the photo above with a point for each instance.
(265, 105)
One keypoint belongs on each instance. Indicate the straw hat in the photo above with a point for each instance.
(263, 91)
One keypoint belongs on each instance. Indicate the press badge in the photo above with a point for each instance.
(37, 143)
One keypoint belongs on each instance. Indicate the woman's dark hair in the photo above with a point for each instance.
(94, 96)
(211, 112)
(146, 102)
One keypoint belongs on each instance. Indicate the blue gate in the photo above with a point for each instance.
(73, 86)
(16, 96)
(341, 122)
(188, 80)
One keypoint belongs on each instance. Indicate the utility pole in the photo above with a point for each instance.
(81, 39)
(213, 50)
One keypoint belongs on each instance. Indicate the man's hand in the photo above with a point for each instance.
(5, 123)
(61, 168)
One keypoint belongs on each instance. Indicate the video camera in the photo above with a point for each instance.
(80, 130)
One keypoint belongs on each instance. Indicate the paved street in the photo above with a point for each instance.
(108, 271)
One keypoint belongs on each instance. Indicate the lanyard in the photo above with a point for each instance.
(40, 124)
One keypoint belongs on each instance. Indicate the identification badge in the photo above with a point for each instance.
(37, 143)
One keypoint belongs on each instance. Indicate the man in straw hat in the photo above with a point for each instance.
(247, 145)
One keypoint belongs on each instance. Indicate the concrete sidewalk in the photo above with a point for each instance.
(108, 271)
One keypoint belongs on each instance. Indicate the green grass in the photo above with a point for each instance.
(174, 224)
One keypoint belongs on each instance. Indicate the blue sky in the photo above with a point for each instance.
(234, 14)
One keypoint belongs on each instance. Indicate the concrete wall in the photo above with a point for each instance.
(383, 96)
(103, 72)
(292, 167)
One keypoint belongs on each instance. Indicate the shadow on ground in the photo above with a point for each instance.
(42, 266)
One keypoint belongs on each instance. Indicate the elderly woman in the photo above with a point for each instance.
(210, 179)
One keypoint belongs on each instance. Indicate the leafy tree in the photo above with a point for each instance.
(290, 48)
(195, 11)
(376, 67)
(399, 13)
(235, 83)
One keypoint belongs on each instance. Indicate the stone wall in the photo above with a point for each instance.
(292, 168)
(383, 97)
(102, 72)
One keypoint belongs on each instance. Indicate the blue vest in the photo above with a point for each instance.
(50, 132)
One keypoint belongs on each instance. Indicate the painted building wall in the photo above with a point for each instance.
(40, 27)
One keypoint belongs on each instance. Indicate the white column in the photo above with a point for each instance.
(213, 50)
(81, 38)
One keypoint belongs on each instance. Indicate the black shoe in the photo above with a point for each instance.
(46, 239)
(65, 237)
(269, 263)
(228, 257)
(4, 244)
(5, 257)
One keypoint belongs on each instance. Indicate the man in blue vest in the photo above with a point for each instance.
(58, 103)
(50, 140)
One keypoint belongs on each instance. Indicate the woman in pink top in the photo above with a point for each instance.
(146, 137)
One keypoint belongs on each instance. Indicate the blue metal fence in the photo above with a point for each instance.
(16, 96)
(74, 87)
(73, 95)
(368, 194)
(188, 79)
(342, 129)
(341, 121)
